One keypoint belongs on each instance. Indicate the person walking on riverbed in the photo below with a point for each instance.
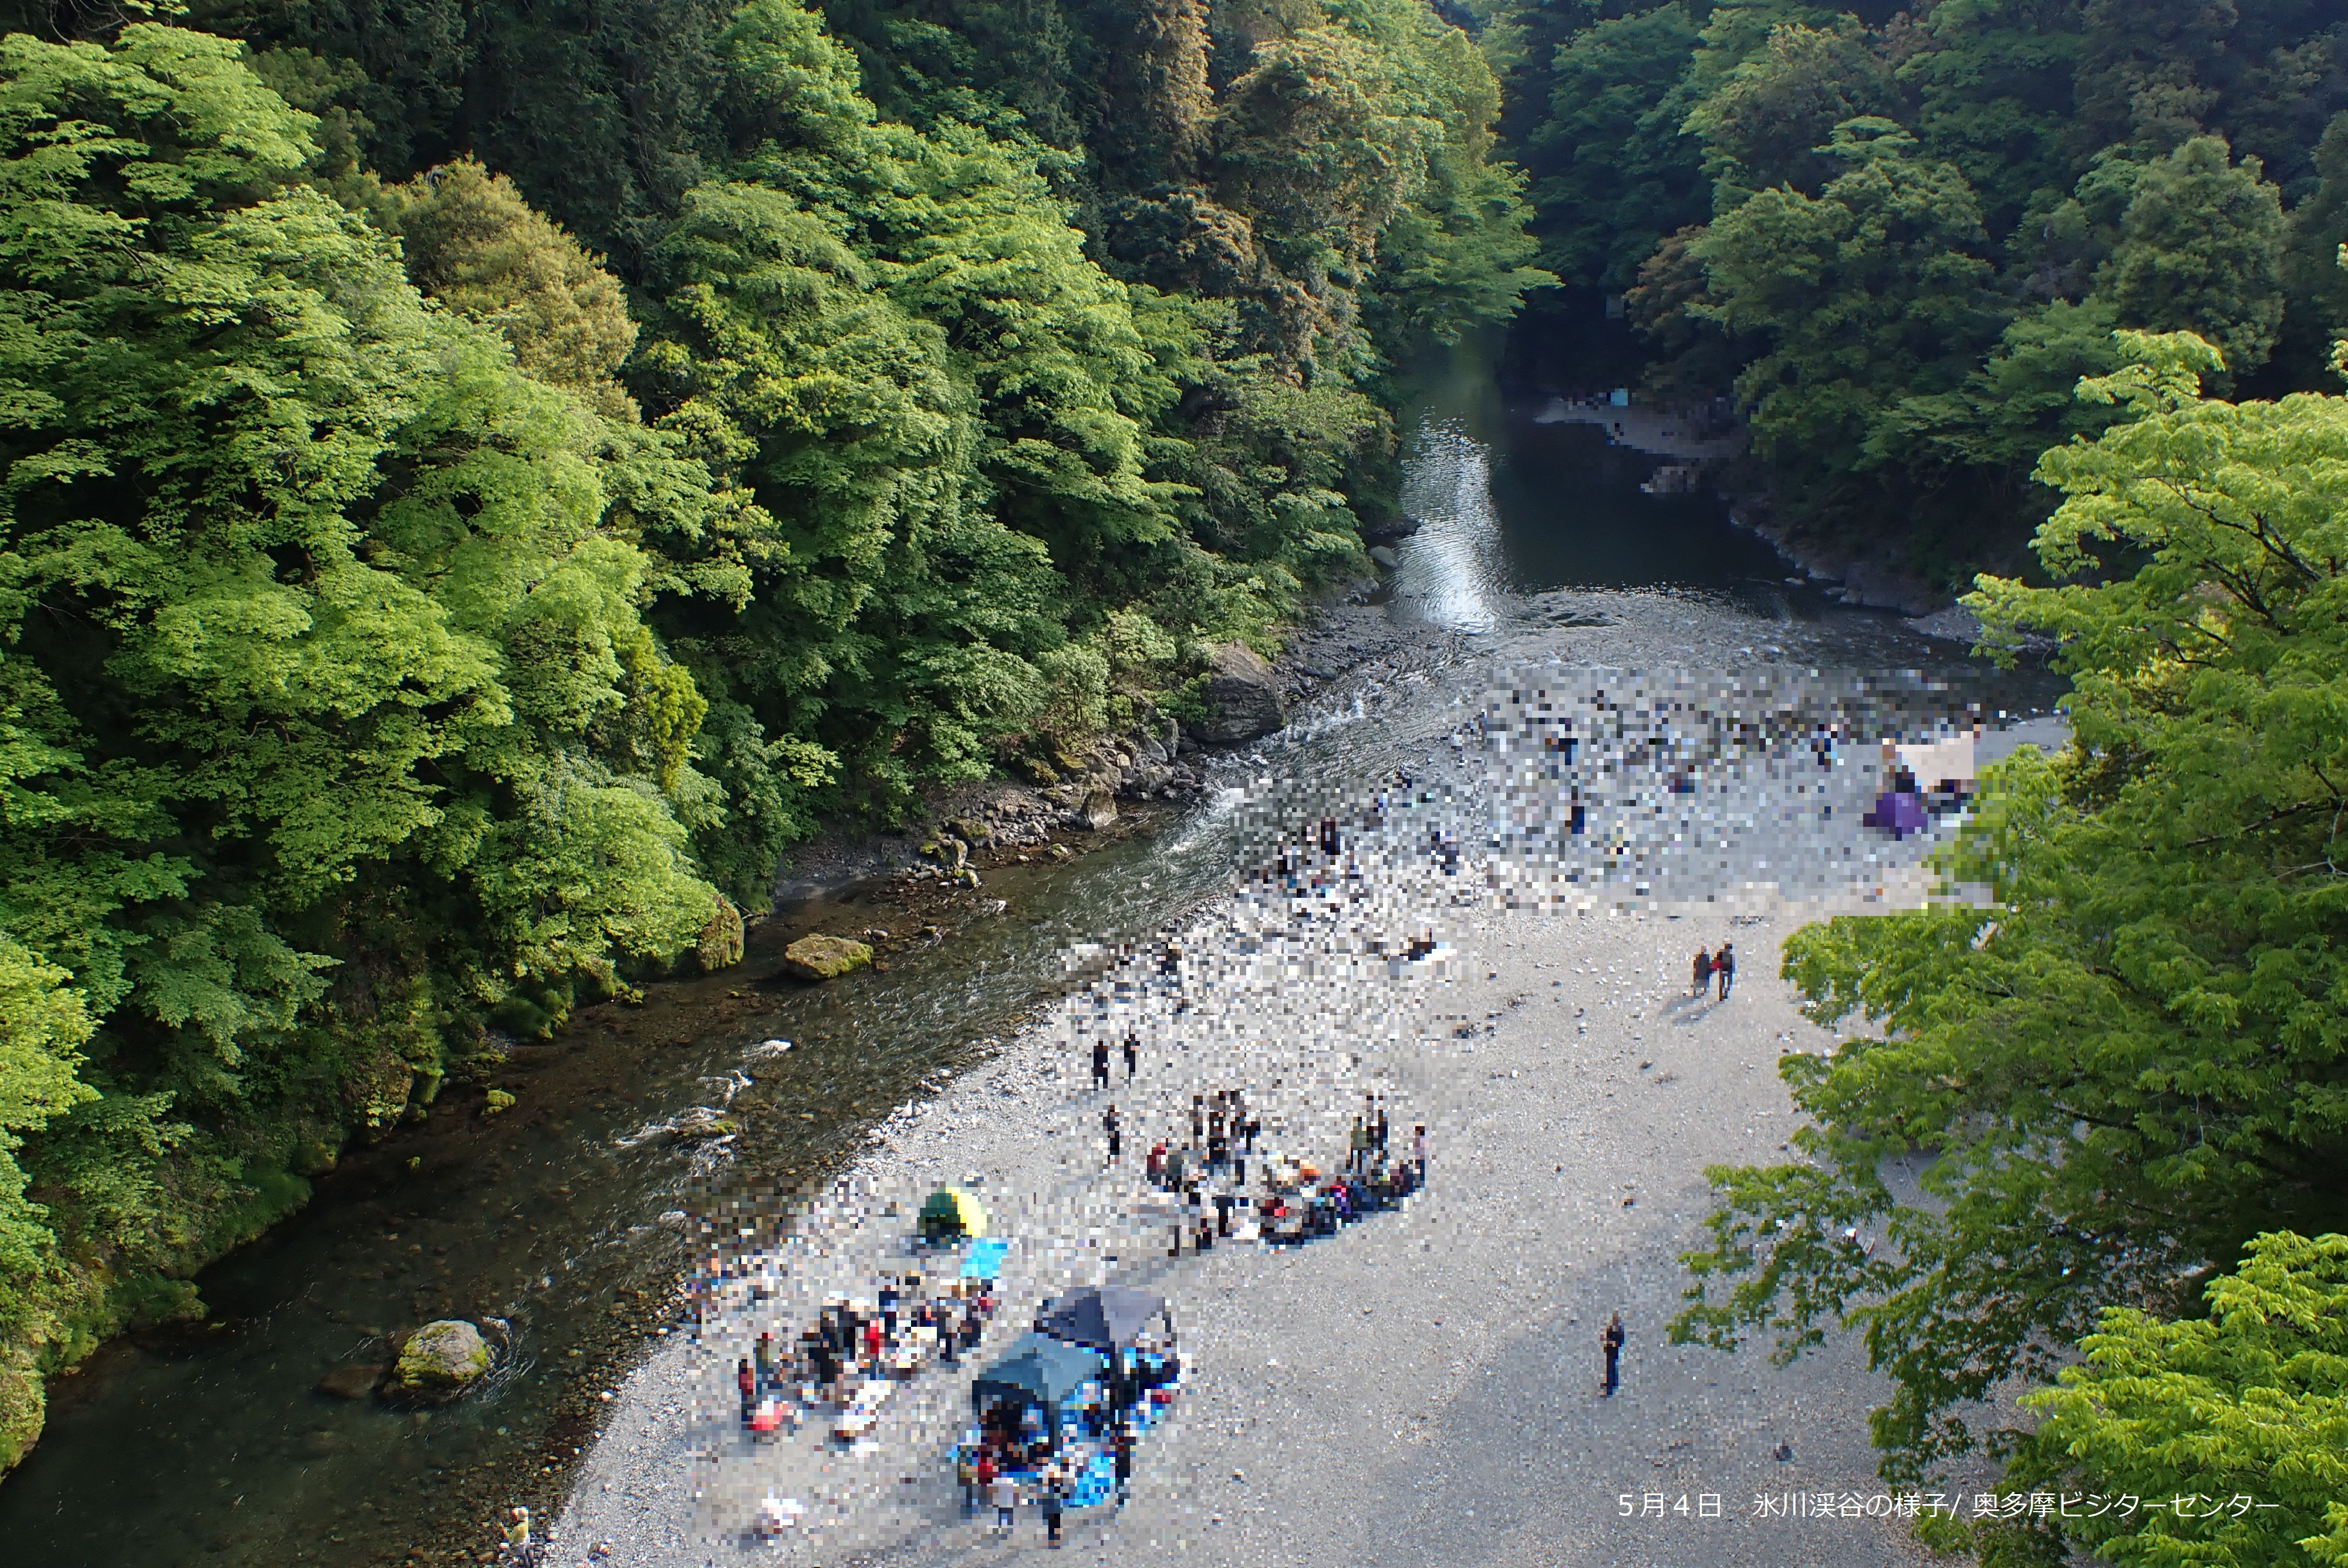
(1609, 1340)
(1006, 1502)
(1132, 1055)
(1050, 1497)
(1702, 973)
(519, 1548)
(1723, 964)
(1100, 1065)
(746, 1382)
(1113, 1125)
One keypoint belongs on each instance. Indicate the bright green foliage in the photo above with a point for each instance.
(2249, 1401)
(329, 709)
(475, 245)
(2131, 1062)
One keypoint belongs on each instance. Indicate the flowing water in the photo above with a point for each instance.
(1626, 651)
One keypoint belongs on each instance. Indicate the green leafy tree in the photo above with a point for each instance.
(1614, 171)
(474, 244)
(2129, 1062)
(2247, 1404)
(1771, 119)
(2201, 251)
(322, 640)
(1868, 291)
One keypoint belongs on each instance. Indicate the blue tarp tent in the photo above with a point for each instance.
(1037, 1371)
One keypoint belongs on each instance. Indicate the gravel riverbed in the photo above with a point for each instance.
(1420, 1389)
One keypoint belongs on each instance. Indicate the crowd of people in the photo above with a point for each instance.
(1205, 1175)
(910, 1321)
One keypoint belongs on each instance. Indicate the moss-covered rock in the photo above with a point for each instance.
(821, 958)
(439, 1363)
(720, 945)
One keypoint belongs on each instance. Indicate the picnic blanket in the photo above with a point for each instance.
(985, 1260)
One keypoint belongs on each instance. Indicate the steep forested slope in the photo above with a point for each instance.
(482, 478)
(1899, 234)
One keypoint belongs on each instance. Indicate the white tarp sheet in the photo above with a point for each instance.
(1944, 761)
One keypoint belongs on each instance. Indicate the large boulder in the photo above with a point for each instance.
(1242, 697)
(821, 958)
(439, 1363)
(1098, 811)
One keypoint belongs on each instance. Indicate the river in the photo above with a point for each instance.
(1644, 626)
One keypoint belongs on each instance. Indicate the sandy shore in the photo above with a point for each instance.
(1421, 1388)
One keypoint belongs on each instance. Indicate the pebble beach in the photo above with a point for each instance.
(1423, 1387)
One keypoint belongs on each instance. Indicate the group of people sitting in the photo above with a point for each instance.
(1318, 1207)
(1295, 1200)
(853, 1336)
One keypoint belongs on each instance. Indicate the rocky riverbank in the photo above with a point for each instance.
(1420, 1389)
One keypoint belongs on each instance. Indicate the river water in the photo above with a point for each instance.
(1600, 645)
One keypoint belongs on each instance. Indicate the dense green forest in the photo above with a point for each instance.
(483, 478)
(1897, 233)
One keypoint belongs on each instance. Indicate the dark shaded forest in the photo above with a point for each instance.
(1899, 234)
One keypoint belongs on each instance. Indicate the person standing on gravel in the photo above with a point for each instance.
(1609, 1340)
(1418, 1152)
(522, 1550)
(1113, 1125)
(1132, 1054)
(1100, 1065)
(1702, 972)
(1378, 1131)
(1723, 964)
(1050, 1495)
(1123, 1449)
(746, 1382)
(1006, 1502)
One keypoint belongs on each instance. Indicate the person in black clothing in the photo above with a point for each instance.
(1132, 1055)
(1723, 964)
(1114, 1127)
(1611, 1341)
(1702, 972)
(1100, 1065)
(1379, 1130)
